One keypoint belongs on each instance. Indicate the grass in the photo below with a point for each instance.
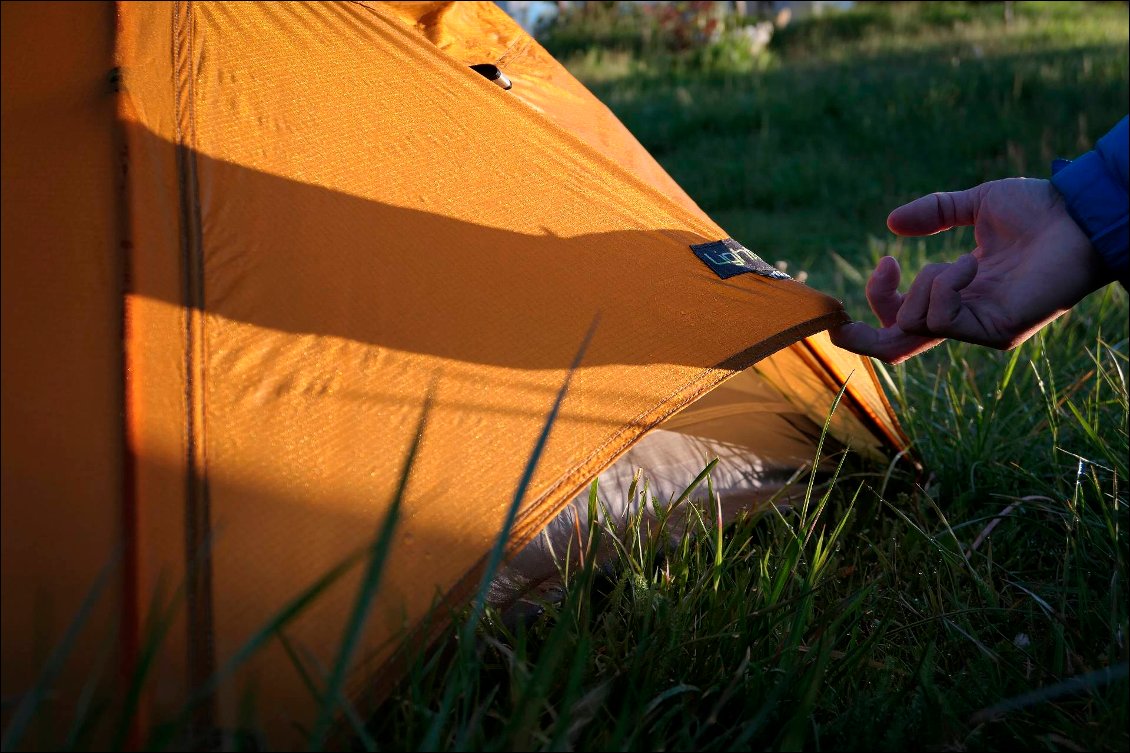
(888, 615)
(982, 604)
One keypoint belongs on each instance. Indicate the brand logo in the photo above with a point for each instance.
(727, 258)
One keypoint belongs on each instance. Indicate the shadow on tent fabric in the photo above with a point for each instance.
(299, 258)
(281, 340)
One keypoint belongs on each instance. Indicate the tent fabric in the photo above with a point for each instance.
(232, 278)
(60, 337)
(475, 33)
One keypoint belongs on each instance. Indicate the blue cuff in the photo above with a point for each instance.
(1094, 189)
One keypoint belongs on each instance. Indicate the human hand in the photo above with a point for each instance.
(1031, 264)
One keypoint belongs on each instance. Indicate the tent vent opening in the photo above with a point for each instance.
(493, 73)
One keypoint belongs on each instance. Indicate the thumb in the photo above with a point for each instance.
(936, 212)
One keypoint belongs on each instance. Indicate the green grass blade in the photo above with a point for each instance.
(1085, 683)
(28, 706)
(367, 592)
(163, 736)
(495, 558)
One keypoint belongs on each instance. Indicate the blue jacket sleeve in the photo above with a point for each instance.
(1095, 189)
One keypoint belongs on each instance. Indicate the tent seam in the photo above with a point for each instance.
(129, 640)
(869, 418)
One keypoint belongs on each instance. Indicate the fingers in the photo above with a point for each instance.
(889, 344)
(883, 291)
(912, 314)
(944, 316)
(933, 306)
(936, 212)
(931, 311)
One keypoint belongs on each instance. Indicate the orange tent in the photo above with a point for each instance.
(242, 242)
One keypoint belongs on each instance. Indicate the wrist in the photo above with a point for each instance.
(1094, 194)
(1083, 250)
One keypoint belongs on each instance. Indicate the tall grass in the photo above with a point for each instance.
(982, 606)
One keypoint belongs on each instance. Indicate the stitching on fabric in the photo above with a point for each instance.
(862, 411)
(129, 639)
(899, 434)
(515, 51)
(202, 355)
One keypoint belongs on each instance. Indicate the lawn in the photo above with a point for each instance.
(981, 604)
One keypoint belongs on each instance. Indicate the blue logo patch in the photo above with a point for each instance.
(728, 258)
